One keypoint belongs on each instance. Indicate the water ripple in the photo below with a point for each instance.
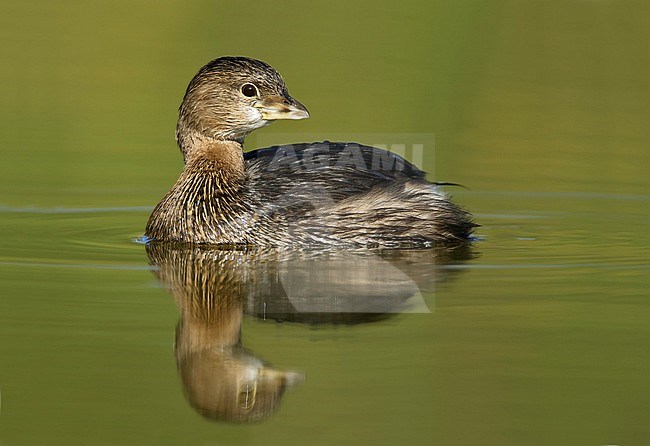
(80, 266)
(62, 210)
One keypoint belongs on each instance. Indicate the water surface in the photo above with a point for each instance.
(540, 336)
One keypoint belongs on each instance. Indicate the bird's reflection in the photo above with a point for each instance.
(215, 287)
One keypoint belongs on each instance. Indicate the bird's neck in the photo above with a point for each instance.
(224, 156)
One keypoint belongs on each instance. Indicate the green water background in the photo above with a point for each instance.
(541, 108)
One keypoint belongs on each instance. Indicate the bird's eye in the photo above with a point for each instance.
(249, 90)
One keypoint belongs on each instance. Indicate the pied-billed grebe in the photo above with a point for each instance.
(318, 194)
